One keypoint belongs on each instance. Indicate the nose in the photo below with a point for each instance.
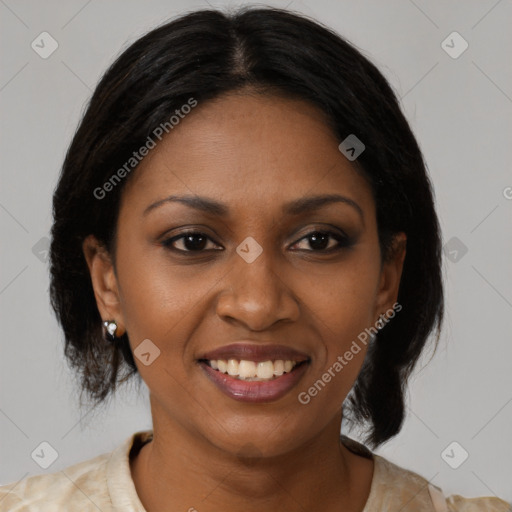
(257, 294)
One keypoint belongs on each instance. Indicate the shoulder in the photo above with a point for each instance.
(82, 484)
(396, 486)
(456, 503)
(83, 487)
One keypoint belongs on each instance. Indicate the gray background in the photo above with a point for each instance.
(460, 109)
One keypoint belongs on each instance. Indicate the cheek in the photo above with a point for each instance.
(343, 299)
(341, 305)
(163, 301)
(157, 299)
(164, 306)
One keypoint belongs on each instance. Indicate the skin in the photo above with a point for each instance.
(254, 153)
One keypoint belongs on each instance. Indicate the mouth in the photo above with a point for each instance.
(251, 388)
(253, 371)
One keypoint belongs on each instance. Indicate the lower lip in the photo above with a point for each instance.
(254, 391)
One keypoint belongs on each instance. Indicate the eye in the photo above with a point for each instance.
(192, 241)
(319, 241)
(196, 241)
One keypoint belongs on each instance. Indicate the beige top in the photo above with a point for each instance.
(104, 483)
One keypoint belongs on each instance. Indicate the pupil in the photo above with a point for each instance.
(194, 246)
(319, 240)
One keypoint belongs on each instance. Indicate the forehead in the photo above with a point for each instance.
(248, 149)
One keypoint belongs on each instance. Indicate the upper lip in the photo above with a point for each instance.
(255, 352)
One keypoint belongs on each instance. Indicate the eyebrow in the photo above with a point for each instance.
(295, 207)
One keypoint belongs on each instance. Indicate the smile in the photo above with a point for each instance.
(255, 371)
(246, 385)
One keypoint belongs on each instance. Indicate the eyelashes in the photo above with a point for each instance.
(198, 242)
(188, 235)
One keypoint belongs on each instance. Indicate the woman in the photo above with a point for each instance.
(244, 222)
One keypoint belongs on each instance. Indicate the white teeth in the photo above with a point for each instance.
(251, 370)
(232, 367)
(279, 367)
(265, 370)
(246, 369)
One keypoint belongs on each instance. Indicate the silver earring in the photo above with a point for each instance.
(109, 330)
(380, 323)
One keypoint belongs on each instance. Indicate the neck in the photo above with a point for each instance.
(180, 470)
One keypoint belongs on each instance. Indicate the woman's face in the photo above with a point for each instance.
(257, 274)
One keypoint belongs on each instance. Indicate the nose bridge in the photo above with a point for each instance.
(254, 275)
(257, 295)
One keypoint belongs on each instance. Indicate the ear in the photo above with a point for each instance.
(104, 282)
(390, 276)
